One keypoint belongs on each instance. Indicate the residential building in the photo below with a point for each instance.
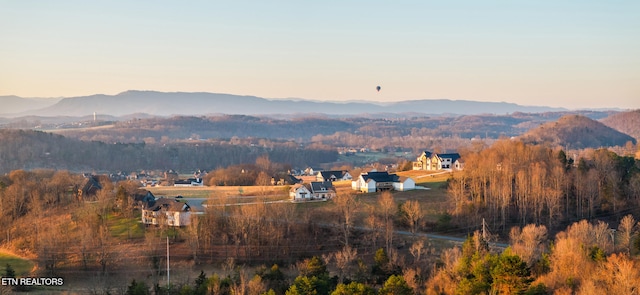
(323, 176)
(435, 161)
(166, 211)
(382, 181)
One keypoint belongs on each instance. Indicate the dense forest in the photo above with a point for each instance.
(513, 183)
(23, 149)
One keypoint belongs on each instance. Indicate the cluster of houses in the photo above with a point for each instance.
(368, 182)
(320, 189)
(173, 212)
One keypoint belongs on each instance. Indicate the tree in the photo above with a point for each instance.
(344, 259)
(347, 204)
(387, 205)
(201, 284)
(314, 267)
(529, 243)
(626, 230)
(416, 250)
(137, 288)
(413, 214)
(304, 285)
(256, 285)
(9, 272)
(263, 163)
(353, 288)
(263, 179)
(510, 274)
(395, 285)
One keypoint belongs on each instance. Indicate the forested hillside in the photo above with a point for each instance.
(23, 149)
(577, 132)
(625, 122)
(351, 132)
(512, 183)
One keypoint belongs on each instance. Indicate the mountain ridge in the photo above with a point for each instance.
(202, 103)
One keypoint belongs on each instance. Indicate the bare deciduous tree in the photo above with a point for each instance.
(413, 214)
(626, 230)
(348, 205)
(416, 250)
(529, 243)
(387, 205)
(344, 259)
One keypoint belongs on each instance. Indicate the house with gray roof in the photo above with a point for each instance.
(436, 161)
(334, 175)
(382, 181)
(166, 211)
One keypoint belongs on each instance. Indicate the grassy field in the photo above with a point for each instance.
(217, 191)
(21, 266)
(125, 228)
(359, 159)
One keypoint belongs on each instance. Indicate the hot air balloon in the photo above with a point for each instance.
(378, 88)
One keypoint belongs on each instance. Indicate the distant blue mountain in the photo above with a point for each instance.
(12, 104)
(203, 103)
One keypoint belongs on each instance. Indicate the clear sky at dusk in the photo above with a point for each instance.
(574, 54)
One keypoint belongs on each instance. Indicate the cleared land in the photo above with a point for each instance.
(20, 265)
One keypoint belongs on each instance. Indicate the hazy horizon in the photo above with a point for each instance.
(575, 54)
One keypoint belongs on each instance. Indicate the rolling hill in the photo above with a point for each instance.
(577, 132)
(625, 122)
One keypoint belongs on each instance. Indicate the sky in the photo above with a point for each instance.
(572, 54)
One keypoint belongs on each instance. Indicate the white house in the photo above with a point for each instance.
(323, 176)
(434, 161)
(374, 181)
(299, 192)
(188, 182)
(404, 184)
(312, 191)
(166, 211)
(382, 181)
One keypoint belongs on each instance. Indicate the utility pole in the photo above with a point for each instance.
(167, 263)
(484, 230)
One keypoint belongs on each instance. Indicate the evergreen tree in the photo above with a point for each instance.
(9, 272)
(396, 285)
(137, 288)
(353, 288)
(510, 274)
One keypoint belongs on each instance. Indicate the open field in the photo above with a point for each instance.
(21, 266)
(359, 159)
(217, 191)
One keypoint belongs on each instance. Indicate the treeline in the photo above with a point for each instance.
(155, 130)
(512, 183)
(216, 127)
(23, 149)
(302, 129)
